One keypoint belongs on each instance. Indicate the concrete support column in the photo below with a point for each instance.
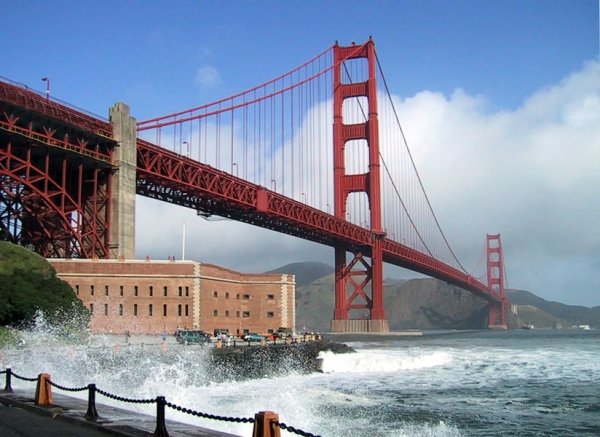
(196, 296)
(122, 230)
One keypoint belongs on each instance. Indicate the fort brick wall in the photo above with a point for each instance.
(151, 297)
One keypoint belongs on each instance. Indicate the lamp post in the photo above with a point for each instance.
(187, 148)
(274, 184)
(236, 168)
(47, 80)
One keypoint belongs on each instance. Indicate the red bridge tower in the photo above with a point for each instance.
(353, 279)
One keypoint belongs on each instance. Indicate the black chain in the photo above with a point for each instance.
(122, 399)
(53, 384)
(210, 416)
(24, 378)
(294, 430)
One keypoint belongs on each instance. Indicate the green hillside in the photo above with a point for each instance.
(29, 284)
(16, 258)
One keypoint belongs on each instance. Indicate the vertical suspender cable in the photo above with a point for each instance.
(283, 141)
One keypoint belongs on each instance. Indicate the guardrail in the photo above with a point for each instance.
(266, 423)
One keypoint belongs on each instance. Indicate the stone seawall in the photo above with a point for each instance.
(246, 362)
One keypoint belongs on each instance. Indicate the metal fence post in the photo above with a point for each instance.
(7, 386)
(161, 428)
(91, 413)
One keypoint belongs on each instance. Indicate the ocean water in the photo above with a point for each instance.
(521, 383)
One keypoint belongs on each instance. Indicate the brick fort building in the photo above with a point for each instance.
(152, 297)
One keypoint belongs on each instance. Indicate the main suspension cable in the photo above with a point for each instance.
(414, 166)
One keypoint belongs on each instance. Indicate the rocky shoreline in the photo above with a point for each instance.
(247, 362)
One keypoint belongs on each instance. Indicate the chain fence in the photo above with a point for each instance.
(61, 387)
(159, 400)
(23, 378)
(294, 430)
(124, 399)
(210, 416)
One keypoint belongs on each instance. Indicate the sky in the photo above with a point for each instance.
(499, 101)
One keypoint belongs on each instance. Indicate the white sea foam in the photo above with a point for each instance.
(373, 361)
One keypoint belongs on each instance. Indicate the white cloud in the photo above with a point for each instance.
(207, 76)
(531, 174)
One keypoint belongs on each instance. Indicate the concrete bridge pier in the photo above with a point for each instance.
(359, 326)
(123, 183)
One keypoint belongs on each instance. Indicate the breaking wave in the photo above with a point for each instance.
(371, 361)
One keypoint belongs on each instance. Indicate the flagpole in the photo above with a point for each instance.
(183, 244)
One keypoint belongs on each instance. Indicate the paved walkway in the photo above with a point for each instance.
(17, 422)
(20, 417)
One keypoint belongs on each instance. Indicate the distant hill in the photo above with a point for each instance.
(306, 272)
(571, 314)
(432, 304)
(412, 304)
(531, 315)
(427, 304)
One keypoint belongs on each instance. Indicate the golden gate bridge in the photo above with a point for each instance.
(317, 153)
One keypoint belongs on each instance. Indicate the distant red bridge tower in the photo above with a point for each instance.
(495, 279)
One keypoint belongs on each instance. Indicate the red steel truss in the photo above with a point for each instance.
(55, 176)
(171, 177)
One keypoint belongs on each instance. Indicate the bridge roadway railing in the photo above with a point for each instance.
(404, 256)
(166, 175)
(266, 423)
(24, 97)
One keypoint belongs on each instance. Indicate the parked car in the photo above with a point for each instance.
(253, 336)
(283, 333)
(188, 336)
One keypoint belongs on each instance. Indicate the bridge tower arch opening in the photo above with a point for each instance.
(358, 280)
